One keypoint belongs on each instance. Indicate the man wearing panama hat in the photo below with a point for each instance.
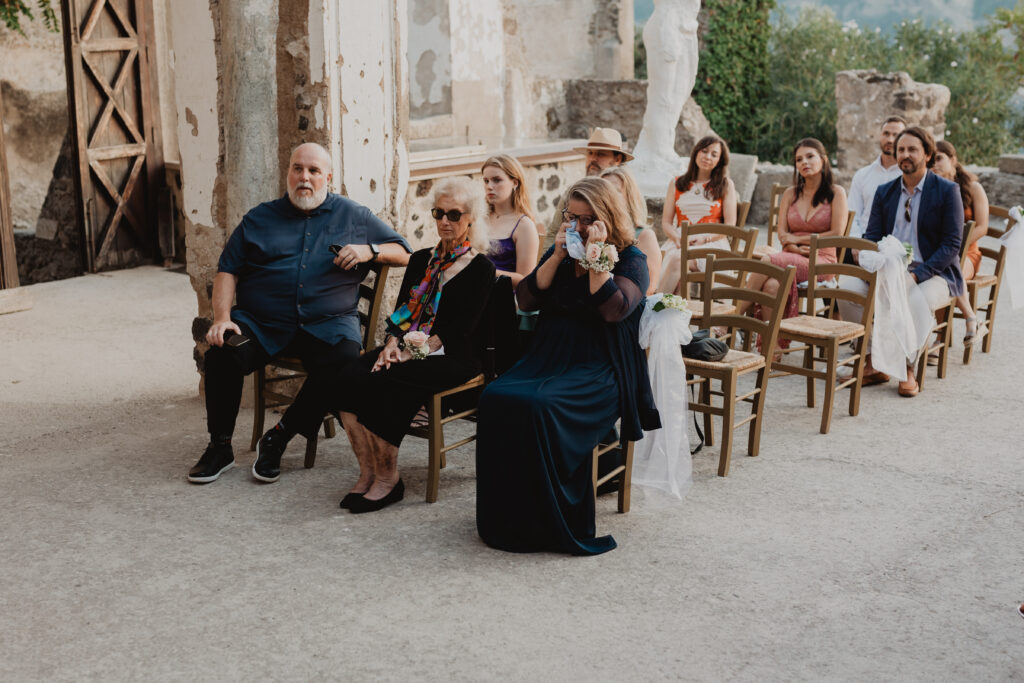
(603, 150)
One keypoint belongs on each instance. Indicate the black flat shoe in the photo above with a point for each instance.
(364, 504)
(349, 498)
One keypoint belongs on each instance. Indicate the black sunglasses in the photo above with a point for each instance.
(906, 209)
(454, 215)
(570, 217)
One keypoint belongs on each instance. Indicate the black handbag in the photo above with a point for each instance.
(705, 347)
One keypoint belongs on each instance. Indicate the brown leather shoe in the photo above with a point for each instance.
(874, 377)
(909, 388)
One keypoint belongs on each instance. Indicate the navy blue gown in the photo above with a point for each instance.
(539, 422)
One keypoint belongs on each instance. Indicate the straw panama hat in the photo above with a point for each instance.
(605, 138)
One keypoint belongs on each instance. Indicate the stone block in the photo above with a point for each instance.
(1012, 163)
(1003, 189)
(46, 228)
(864, 98)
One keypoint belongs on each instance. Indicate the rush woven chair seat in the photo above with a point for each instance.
(737, 363)
(990, 281)
(267, 390)
(819, 339)
(940, 339)
(741, 244)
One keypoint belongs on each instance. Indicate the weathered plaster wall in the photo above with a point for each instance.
(35, 113)
(478, 68)
(165, 81)
(430, 58)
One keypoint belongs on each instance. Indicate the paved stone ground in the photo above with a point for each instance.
(891, 549)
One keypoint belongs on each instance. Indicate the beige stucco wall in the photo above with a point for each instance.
(35, 113)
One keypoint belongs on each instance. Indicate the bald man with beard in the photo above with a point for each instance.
(280, 291)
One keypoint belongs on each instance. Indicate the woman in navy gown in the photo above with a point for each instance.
(539, 422)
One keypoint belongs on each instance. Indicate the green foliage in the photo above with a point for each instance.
(732, 76)
(11, 12)
(639, 55)
(981, 67)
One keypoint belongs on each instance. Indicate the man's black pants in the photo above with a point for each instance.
(227, 366)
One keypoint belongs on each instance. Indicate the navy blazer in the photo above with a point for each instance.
(940, 227)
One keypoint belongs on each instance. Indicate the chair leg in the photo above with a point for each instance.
(990, 316)
(948, 340)
(858, 373)
(626, 480)
(728, 420)
(709, 425)
(809, 365)
(329, 430)
(972, 298)
(593, 470)
(259, 406)
(310, 453)
(831, 350)
(757, 409)
(922, 362)
(435, 442)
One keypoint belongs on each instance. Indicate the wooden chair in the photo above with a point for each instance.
(265, 389)
(439, 414)
(943, 330)
(742, 211)
(741, 242)
(459, 403)
(827, 309)
(813, 332)
(737, 363)
(774, 206)
(991, 281)
(625, 469)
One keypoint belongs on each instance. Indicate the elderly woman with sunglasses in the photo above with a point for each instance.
(433, 344)
(538, 423)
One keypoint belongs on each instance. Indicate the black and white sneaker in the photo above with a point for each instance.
(269, 450)
(216, 459)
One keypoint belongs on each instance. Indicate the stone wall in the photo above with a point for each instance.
(865, 98)
(53, 250)
(35, 114)
(620, 105)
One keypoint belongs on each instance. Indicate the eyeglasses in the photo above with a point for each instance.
(906, 209)
(454, 215)
(570, 217)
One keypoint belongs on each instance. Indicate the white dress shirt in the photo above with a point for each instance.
(862, 192)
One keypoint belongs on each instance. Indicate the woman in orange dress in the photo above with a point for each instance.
(704, 194)
(813, 204)
(975, 209)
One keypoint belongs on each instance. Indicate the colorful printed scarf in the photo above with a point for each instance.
(418, 312)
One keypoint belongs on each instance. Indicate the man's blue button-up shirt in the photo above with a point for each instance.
(287, 279)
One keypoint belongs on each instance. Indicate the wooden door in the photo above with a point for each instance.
(8, 262)
(118, 161)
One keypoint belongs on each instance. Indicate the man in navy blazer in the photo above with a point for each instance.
(926, 211)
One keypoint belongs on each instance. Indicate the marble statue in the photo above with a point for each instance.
(670, 37)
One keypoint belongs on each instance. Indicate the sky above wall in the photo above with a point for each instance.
(882, 13)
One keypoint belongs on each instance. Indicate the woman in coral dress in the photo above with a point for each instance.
(814, 204)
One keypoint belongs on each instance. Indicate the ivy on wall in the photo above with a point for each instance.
(733, 76)
(11, 12)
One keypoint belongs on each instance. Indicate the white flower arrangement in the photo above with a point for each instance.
(416, 343)
(670, 302)
(910, 252)
(600, 257)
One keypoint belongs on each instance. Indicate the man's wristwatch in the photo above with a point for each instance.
(376, 252)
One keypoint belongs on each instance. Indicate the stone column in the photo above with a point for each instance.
(865, 98)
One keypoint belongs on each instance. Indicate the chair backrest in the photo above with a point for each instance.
(840, 252)
(714, 289)
(742, 211)
(741, 243)
(371, 298)
(964, 238)
(999, 212)
(816, 269)
(774, 206)
(998, 254)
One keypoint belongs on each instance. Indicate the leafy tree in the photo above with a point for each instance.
(11, 12)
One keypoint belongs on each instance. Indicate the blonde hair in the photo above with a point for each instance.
(511, 167)
(609, 207)
(470, 200)
(636, 205)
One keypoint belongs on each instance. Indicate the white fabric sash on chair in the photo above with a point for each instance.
(903, 319)
(1013, 269)
(662, 458)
